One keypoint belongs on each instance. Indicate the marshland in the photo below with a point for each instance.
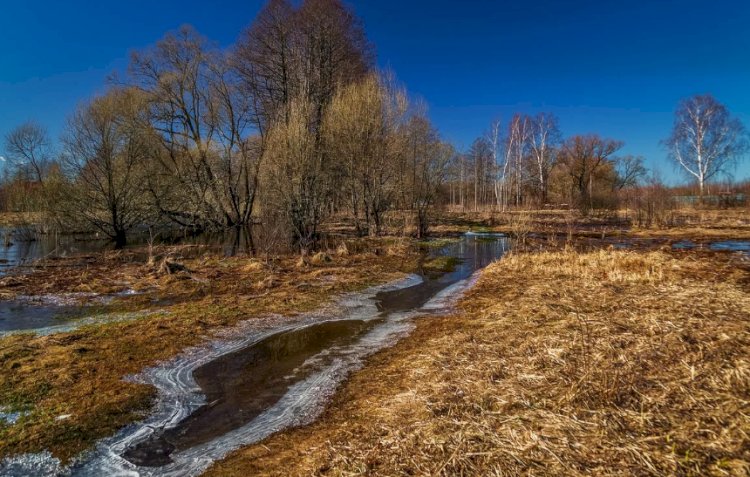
(279, 244)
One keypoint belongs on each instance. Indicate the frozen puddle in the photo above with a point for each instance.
(48, 314)
(20, 315)
(265, 376)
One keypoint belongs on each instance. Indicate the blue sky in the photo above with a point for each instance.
(617, 68)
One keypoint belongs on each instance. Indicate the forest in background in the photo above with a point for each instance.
(294, 124)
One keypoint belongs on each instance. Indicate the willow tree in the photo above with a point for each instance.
(297, 180)
(290, 64)
(105, 157)
(360, 135)
(203, 121)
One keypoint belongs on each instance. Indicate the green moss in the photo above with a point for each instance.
(438, 243)
(441, 264)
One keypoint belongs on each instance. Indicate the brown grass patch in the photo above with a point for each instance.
(604, 363)
(80, 373)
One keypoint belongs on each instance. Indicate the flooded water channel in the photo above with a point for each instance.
(241, 390)
(239, 386)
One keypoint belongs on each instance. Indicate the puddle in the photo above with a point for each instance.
(718, 246)
(239, 386)
(731, 246)
(684, 245)
(22, 315)
(476, 251)
(47, 314)
(268, 375)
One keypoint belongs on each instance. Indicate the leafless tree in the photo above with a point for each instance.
(300, 53)
(630, 171)
(423, 169)
(493, 138)
(268, 63)
(481, 155)
(516, 151)
(28, 151)
(203, 121)
(705, 138)
(105, 153)
(297, 179)
(544, 139)
(582, 157)
(360, 132)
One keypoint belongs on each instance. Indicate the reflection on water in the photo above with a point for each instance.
(24, 248)
(718, 246)
(473, 251)
(731, 246)
(241, 385)
(23, 252)
(21, 315)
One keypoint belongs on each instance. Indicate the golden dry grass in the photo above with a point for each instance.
(80, 373)
(689, 223)
(558, 363)
(15, 219)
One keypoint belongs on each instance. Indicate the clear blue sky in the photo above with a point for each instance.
(617, 68)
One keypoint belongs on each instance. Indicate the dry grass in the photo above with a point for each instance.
(80, 373)
(559, 363)
(15, 219)
(688, 224)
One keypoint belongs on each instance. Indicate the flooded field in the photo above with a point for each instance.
(23, 248)
(239, 391)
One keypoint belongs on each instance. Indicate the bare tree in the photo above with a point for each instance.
(294, 53)
(543, 141)
(360, 132)
(423, 169)
(105, 153)
(267, 62)
(705, 138)
(582, 157)
(298, 179)
(630, 171)
(481, 155)
(517, 141)
(493, 138)
(203, 121)
(28, 151)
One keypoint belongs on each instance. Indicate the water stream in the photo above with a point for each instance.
(266, 377)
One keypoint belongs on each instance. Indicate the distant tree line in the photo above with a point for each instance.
(529, 163)
(291, 124)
